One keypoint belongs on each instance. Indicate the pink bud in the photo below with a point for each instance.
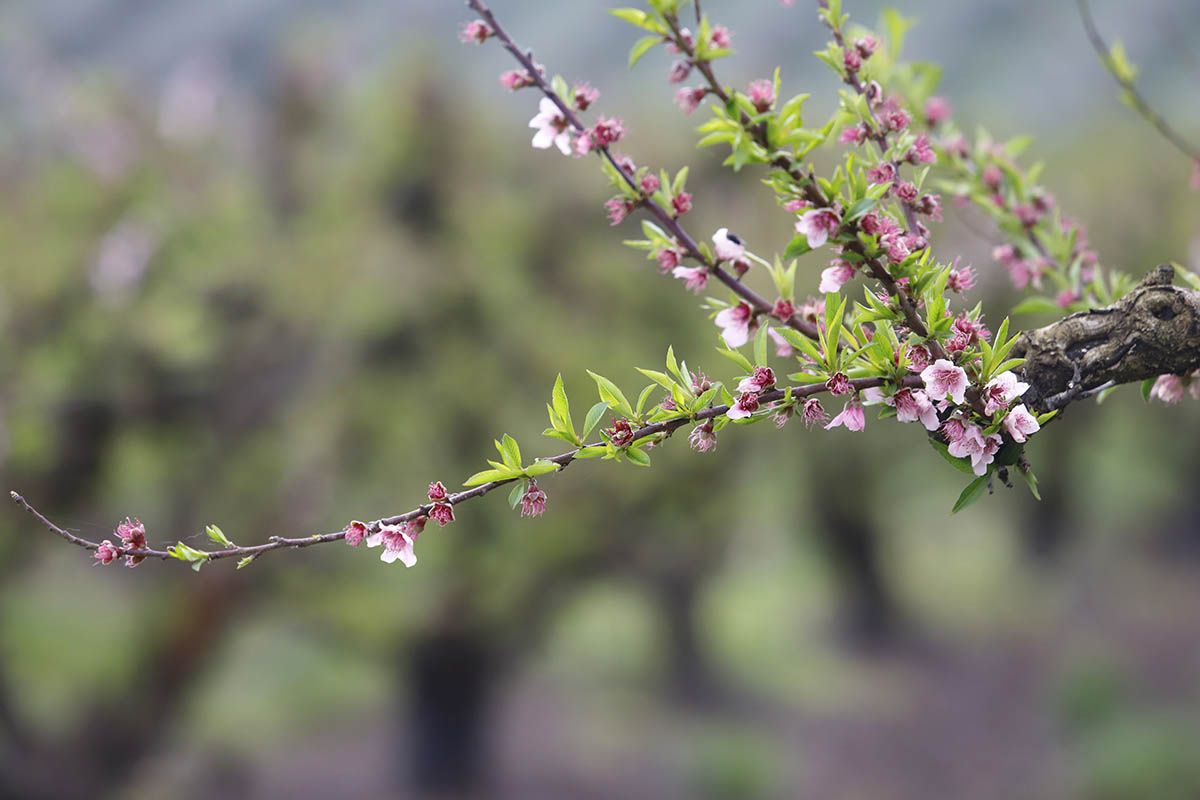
(355, 533)
(106, 553)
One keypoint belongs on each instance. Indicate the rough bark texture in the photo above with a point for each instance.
(1154, 330)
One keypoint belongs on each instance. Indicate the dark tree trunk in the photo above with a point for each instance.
(689, 671)
(452, 680)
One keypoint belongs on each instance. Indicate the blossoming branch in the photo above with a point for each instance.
(908, 346)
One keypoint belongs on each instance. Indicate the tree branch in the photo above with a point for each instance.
(1154, 330)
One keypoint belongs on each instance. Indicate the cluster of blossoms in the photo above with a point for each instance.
(132, 534)
(398, 540)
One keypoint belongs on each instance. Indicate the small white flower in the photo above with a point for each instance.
(729, 246)
(552, 128)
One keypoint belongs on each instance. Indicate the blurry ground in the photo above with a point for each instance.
(1106, 679)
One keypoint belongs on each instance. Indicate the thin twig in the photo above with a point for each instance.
(563, 460)
(1139, 101)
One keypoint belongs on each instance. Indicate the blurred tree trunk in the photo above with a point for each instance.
(689, 671)
(1047, 529)
(451, 675)
(870, 614)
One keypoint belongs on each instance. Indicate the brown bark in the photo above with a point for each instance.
(1154, 330)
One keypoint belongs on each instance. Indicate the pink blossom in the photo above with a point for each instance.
(876, 224)
(1066, 297)
(852, 60)
(702, 439)
(606, 131)
(355, 533)
(132, 534)
(1002, 390)
(971, 443)
(761, 94)
(838, 384)
(397, 544)
(720, 37)
(682, 203)
(618, 208)
(1168, 389)
(783, 348)
(585, 96)
(442, 514)
(689, 98)
(687, 40)
(515, 79)
(896, 247)
(835, 276)
(734, 323)
(762, 379)
(668, 259)
(884, 172)
(106, 553)
(729, 246)
(700, 382)
(897, 119)
(918, 358)
(942, 378)
(852, 417)
(937, 111)
(906, 191)
(476, 31)
(437, 491)
(695, 278)
(1028, 215)
(866, 46)
(915, 406)
(992, 177)
(552, 128)
(533, 502)
(679, 71)
(1020, 423)
(921, 152)
(650, 183)
(795, 205)
(818, 225)
(783, 310)
(855, 134)
(621, 433)
(960, 280)
(746, 405)
(812, 309)
(813, 412)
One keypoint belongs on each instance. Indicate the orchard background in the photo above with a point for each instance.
(270, 266)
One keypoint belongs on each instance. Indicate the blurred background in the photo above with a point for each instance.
(274, 264)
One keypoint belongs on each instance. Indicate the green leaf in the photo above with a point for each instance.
(594, 415)
(1032, 481)
(611, 394)
(760, 347)
(641, 47)
(245, 562)
(737, 358)
(540, 467)
(510, 451)
(216, 535)
(518, 491)
(637, 456)
(960, 464)
(797, 247)
(594, 451)
(860, 208)
(1147, 385)
(1036, 305)
(561, 406)
(643, 397)
(972, 493)
(489, 475)
(197, 558)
